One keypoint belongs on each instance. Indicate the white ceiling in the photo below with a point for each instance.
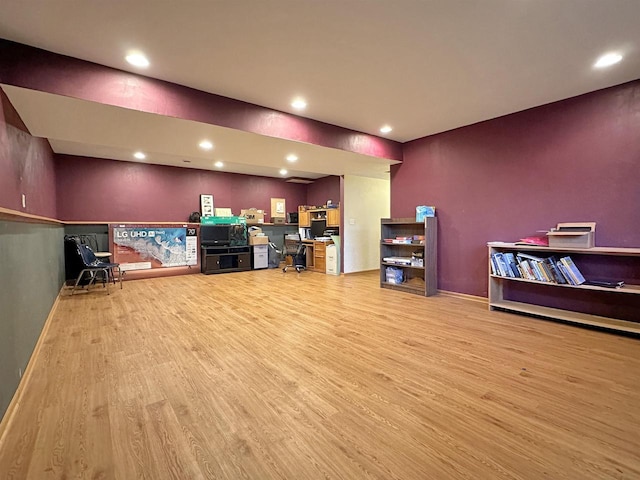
(423, 66)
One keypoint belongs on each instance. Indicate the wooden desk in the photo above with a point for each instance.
(316, 255)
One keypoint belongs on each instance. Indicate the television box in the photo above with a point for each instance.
(258, 240)
(223, 221)
(253, 215)
(573, 235)
(423, 211)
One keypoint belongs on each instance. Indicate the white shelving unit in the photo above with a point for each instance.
(497, 284)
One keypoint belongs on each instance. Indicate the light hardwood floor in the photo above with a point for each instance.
(264, 375)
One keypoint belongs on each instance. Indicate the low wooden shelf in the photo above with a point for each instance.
(497, 285)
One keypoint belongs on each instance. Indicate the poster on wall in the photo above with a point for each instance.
(278, 208)
(142, 248)
(206, 205)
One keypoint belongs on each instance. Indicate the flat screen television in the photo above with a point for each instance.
(214, 235)
(223, 235)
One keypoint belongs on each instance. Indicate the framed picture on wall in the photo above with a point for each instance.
(206, 205)
(278, 208)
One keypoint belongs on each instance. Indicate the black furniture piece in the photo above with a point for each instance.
(224, 248)
(225, 259)
(81, 262)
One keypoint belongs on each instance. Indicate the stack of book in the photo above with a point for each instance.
(399, 240)
(549, 269)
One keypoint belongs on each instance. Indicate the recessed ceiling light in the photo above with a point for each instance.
(206, 145)
(292, 157)
(283, 171)
(299, 104)
(137, 59)
(607, 60)
(385, 129)
(219, 164)
(140, 155)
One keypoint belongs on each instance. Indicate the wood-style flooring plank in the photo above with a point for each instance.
(264, 375)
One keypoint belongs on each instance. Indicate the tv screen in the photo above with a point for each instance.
(318, 226)
(214, 235)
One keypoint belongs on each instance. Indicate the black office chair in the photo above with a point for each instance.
(82, 257)
(294, 249)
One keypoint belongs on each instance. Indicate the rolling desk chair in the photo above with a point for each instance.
(294, 249)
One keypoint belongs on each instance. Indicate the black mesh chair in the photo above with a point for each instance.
(90, 268)
(295, 253)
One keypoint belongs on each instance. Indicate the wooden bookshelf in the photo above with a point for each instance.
(421, 280)
(497, 285)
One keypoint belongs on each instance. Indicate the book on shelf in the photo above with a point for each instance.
(573, 270)
(557, 276)
(605, 283)
(542, 269)
(565, 273)
(539, 241)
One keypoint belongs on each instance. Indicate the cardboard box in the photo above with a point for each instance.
(573, 235)
(253, 231)
(259, 240)
(278, 220)
(253, 215)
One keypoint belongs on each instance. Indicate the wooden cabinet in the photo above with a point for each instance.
(573, 303)
(319, 257)
(306, 214)
(404, 242)
(316, 255)
(304, 217)
(333, 217)
(225, 259)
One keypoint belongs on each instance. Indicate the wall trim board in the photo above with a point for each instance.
(361, 272)
(14, 405)
(464, 296)
(16, 216)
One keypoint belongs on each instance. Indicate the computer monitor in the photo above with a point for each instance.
(318, 226)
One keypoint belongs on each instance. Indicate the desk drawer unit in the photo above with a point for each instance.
(319, 257)
(260, 256)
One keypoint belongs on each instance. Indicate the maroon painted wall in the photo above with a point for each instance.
(323, 189)
(30, 67)
(91, 189)
(574, 160)
(26, 166)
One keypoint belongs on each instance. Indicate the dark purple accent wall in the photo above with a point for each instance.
(26, 166)
(504, 179)
(29, 67)
(323, 189)
(91, 189)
